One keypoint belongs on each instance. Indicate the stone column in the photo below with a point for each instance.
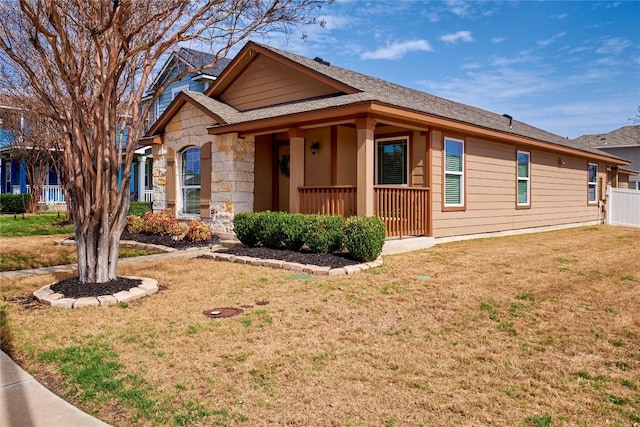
(365, 154)
(142, 161)
(296, 167)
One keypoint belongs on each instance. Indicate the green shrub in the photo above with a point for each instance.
(139, 208)
(364, 237)
(269, 226)
(14, 203)
(293, 230)
(198, 231)
(323, 233)
(244, 225)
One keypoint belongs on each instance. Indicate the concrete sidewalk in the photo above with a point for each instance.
(24, 402)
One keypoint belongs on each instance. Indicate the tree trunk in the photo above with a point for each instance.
(98, 249)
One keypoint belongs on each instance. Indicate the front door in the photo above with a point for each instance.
(283, 177)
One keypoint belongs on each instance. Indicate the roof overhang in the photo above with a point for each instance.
(391, 115)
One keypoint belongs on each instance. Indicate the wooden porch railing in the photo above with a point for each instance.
(333, 200)
(403, 210)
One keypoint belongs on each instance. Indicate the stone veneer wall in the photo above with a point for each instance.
(232, 166)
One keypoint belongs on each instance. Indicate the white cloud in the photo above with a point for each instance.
(552, 39)
(333, 22)
(497, 40)
(613, 46)
(397, 50)
(560, 16)
(464, 36)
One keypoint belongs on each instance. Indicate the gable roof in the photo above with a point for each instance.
(191, 58)
(626, 136)
(356, 88)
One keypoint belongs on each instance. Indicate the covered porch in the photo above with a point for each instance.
(360, 166)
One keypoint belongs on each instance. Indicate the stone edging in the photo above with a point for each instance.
(294, 266)
(47, 296)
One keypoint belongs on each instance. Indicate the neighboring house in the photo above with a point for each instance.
(13, 166)
(278, 131)
(625, 143)
(178, 61)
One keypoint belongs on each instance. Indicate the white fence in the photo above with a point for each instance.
(148, 196)
(623, 207)
(50, 194)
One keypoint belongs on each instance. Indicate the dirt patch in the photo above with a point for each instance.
(217, 313)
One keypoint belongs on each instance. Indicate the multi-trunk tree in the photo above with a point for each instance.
(88, 62)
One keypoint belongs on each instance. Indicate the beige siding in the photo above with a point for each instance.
(262, 199)
(317, 170)
(347, 159)
(558, 191)
(267, 82)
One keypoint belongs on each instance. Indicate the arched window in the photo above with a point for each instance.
(190, 180)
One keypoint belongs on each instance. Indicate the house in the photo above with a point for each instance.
(15, 160)
(625, 143)
(279, 131)
(179, 60)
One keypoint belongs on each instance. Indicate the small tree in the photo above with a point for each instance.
(88, 62)
(34, 141)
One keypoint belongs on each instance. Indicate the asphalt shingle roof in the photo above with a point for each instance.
(627, 135)
(197, 59)
(374, 89)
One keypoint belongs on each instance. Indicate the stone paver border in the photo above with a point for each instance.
(294, 266)
(47, 296)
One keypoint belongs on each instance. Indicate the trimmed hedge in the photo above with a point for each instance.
(244, 225)
(14, 203)
(139, 208)
(363, 237)
(324, 233)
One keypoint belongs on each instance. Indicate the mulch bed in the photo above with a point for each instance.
(335, 260)
(72, 288)
(168, 241)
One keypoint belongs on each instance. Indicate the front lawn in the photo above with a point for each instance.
(34, 224)
(531, 330)
(19, 253)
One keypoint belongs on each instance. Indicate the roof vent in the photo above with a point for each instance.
(510, 119)
(322, 61)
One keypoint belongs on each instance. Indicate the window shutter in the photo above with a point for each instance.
(205, 181)
(170, 188)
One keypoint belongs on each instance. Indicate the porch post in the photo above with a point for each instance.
(366, 134)
(141, 177)
(296, 167)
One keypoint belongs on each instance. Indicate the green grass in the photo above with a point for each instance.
(92, 373)
(34, 224)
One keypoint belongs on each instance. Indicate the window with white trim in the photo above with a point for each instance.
(176, 90)
(190, 181)
(592, 182)
(453, 172)
(524, 179)
(392, 161)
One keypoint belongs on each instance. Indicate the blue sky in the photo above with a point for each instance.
(571, 68)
